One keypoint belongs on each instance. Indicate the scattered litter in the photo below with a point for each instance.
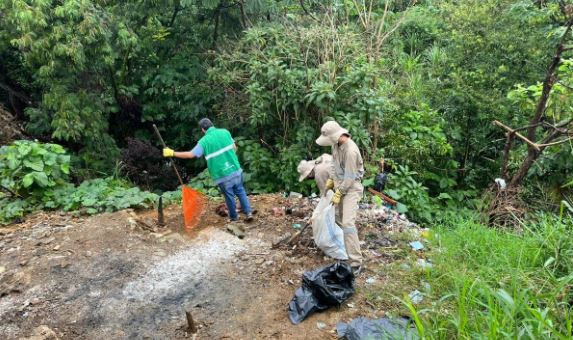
(384, 328)
(320, 325)
(321, 288)
(327, 235)
(422, 263)
(2, 269)
(297, 212)
(278, 211)
(371, 280)
(416, 296)
(501, 183)
(416, 245)
(296, 225)
(350, 305)
(295, 195)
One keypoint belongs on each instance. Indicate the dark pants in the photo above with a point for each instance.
(231, 188)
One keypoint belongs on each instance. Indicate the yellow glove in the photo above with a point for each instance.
(336, 197)
(167, 152)
(329, 184)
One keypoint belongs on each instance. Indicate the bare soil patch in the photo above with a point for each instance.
(118, 275)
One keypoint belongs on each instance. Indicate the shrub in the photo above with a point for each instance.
(28, 169)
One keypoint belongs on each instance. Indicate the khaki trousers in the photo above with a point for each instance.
(346, 218)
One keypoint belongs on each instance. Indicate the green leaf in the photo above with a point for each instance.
(24, 149)
(445, 196)
(41, 178)
(35, 164)
(401, 208)
(394, 194)
(28, 180)
(65, 168)
(88, 202)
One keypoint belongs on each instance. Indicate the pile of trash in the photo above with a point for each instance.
(382, 217)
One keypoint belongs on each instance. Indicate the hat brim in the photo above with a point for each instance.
(332, 139)
(324, 141)
(305, 174)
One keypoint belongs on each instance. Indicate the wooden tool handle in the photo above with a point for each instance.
(164, 145)
(382, 196)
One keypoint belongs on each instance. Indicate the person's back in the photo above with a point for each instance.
(219, 151)
(322, 172)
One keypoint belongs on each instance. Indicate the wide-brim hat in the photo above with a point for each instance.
(304, 169)
(330, 133)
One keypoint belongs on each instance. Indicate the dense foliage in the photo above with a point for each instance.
(419, 83)
(35, 176)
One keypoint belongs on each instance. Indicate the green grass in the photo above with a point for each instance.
(493, 284)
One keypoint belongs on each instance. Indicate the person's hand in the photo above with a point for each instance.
(329, 184)
(167, 152)
(336, 197)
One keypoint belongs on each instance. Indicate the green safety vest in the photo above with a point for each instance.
(219, 152)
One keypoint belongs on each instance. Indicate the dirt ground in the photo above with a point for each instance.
(118, 275)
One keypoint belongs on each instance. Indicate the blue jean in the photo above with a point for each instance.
(231, 188)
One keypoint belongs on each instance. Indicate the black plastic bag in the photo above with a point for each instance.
(384, 328)
(321, 288)
(380, 181)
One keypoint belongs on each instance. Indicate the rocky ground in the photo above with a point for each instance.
(119, 275)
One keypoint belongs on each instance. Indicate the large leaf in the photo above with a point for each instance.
(40, 178)
(34, 164)
(28, 180)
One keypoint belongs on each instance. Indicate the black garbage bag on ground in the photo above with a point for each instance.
(362, 328)
(321, 288)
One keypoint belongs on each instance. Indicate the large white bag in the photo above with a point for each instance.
(327, 235)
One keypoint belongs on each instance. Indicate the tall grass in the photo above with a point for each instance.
(494, 284)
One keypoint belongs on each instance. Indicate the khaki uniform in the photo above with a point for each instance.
(322, 172)
(347, 171)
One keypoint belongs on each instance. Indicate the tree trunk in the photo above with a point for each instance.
(550, 79)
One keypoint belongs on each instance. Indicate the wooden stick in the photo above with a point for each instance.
(160, 216)
(297, 234)
(555, 143)
(164, 145)
(512, 131)
(382, 196)
(191, 322)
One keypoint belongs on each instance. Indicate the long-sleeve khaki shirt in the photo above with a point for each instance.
(322, 172)
(347, 166)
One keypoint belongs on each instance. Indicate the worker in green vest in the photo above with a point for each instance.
(219, 149)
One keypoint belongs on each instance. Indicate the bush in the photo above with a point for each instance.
(27, 169)
(35, 176)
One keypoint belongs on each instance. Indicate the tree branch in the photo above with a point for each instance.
(555, 143)
(519, 135)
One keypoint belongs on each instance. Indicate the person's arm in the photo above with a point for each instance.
(235, 147)
(195, 153)
(351, 171)
(184, 154)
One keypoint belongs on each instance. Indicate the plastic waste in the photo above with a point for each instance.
(380, 181)
(384, 328)
(416, 245)
(321, 288)
(416, 296)
(327, 235)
